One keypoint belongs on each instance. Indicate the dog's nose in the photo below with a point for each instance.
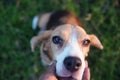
(72, 63)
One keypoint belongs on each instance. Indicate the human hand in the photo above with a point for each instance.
(86, 74)
(50, 73)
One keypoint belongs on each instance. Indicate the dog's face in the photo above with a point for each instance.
(70, 45)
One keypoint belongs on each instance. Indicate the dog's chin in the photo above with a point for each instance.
(66, 75)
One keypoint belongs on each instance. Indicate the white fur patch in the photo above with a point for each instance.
(34, 22)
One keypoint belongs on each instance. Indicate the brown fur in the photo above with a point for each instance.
(63, 30)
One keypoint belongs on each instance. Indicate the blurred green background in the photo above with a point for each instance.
(101, 17)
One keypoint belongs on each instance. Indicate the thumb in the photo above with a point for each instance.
(86, 75)
(50, 73)
(51, 68)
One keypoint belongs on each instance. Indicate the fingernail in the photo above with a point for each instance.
(52, 63)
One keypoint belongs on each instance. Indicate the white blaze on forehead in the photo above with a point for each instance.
(74, 45)
(72, 48)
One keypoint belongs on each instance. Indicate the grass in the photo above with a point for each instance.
(17, 62)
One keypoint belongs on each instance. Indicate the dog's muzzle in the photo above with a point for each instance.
(72, 64)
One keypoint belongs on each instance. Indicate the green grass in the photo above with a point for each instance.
(17, 62)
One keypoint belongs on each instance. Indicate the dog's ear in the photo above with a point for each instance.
(37, 39)
(95, 42)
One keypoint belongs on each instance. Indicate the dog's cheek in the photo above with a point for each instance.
(86, 51)
(54, 49)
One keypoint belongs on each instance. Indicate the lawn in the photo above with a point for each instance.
(100, 17)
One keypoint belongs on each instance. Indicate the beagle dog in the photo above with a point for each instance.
(63, 39)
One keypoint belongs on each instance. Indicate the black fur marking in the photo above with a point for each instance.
(56, 16)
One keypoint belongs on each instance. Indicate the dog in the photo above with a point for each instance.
(63, 39)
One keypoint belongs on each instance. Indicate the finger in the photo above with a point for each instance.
(86, 63)
(51, 68)
(50, 73)
(52, 64)
(86, 75)
(47, 77)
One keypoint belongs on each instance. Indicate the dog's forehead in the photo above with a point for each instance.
(66, 30)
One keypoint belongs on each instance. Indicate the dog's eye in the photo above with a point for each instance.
(57, 40)
(86, 42)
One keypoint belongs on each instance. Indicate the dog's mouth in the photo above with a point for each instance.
(67, 75)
